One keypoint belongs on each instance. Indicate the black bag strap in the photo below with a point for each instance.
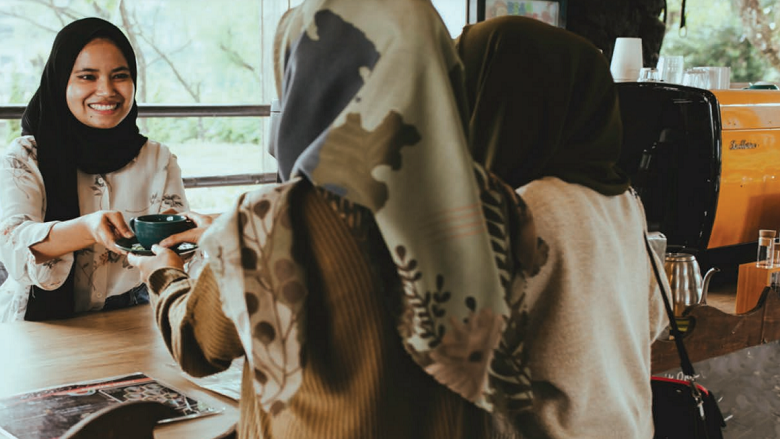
(685, 362)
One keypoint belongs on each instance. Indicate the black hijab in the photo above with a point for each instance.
(65, 144)
(543, 103)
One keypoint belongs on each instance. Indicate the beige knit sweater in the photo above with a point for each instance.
(595, 309)
(358, 381)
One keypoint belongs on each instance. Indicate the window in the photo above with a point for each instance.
(453, 13)
(552, 12)
(740, 35)
(190, 52)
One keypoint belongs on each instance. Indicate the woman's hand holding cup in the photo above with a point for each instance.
(202, 223)
(106, 226)
(163, 258)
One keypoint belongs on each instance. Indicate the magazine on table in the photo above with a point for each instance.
(226, 383)
(48, 413)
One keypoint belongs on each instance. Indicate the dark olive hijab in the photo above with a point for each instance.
(65, 144)
(543, 103)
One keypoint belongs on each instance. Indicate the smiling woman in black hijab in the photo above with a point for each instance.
(545, 118)
(80, 169)
(64, 143)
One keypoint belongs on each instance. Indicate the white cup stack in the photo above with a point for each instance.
(626, 59)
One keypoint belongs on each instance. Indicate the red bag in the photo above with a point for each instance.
(682, 409)
(678, 413)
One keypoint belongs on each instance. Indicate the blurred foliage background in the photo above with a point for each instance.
(735, 33)
(188, 52)
(215, 52)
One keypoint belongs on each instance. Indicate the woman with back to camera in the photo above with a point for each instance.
(368, 292)
(79, 171)
(545, 118)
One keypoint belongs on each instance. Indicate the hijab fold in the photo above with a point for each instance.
(373, 110)
(64, 144)
(539, 107)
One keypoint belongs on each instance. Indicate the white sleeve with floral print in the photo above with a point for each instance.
(22, 209)
(150, 183)
(173, 196)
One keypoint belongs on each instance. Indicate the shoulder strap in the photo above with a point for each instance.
(685, 362)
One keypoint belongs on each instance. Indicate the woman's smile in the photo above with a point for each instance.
(103, 108)
(100, 90)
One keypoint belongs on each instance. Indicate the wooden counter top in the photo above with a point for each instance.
(99, 345)
(713, 333)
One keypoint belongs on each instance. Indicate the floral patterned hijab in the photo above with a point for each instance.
(373, 111)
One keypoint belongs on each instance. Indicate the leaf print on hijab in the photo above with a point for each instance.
(462, 359)
(367, 149)
(272, 286)
(358, 82)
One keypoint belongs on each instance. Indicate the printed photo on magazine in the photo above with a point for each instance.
(48, 413)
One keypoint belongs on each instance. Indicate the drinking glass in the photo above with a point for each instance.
(765, 256)
(720, 77)
(671, 68)
(698, 78)
(649, 74)
(776, 252)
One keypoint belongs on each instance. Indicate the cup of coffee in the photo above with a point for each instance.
(151, 229)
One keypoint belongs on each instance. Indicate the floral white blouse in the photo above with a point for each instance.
(151, 183)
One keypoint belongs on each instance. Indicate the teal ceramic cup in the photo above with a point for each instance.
(151, 229)
(763, 86)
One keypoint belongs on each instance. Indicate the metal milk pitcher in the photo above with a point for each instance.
(688, 287)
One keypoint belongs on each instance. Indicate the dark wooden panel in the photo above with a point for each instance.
(770, 302)
(712, 333)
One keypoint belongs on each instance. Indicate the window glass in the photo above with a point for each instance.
(740, 35)
(189, 52)
(453, 13)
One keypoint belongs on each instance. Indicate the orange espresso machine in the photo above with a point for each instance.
(706, 164)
